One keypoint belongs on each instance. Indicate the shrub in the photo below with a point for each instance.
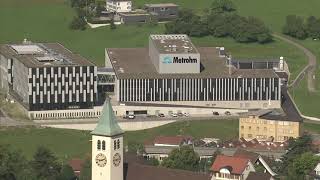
(78, 23)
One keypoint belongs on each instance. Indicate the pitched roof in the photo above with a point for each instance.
(237, 164)
(241, 153)
(135, 171)
(172, 140)
(258, 175)
(76, 164)
(107, 125)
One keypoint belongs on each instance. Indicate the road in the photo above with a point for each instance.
(310, 69)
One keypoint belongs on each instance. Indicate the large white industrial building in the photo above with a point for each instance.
(174, 75)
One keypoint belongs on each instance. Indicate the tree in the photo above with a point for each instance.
(186, 23)
(13, 165)
(45, 165)
(85, 173)
(295, 27)
(302, 165)
(78, 23)
(182, 158)
(313, 27)
(222, 6)
(135, 148)
(153, 161)
(112, 25)
(295, 148)
(66, 173)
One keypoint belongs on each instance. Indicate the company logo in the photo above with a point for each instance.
(169, 60)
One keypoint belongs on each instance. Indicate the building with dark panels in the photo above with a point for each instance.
(46, 77)
(164, 11)
(172, 71)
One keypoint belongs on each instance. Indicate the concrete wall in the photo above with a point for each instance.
(21, 80)
(153, 54)
(155, 110)
(4, 74)
(125, 125)
(264, 104)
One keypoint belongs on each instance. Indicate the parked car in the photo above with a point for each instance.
(161, 115)
(180, 114)
(227, 113)
(131, 116)
(215, 113)
(186, 114)
(174, 115)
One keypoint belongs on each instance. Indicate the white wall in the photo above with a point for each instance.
(119, 6)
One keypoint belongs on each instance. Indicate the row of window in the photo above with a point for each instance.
(102, 145)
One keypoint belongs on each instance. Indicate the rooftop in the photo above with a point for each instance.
(162, 5)
(171, 140)
(43, 55)
(235, 165)
(129, 62)
(107, 125)
(173, 43)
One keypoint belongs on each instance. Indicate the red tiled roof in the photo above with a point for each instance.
(76, 164)
(237, 164)
(172, 140)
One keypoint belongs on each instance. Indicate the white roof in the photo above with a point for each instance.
(317, 167)
(28, 49)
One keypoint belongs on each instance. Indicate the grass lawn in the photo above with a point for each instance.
(68, 144)
(308, 102)
(39, 21)
(73, 143)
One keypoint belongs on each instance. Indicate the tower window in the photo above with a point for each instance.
(99, 145)
(118, 144)
(103, 145)
(114, 144)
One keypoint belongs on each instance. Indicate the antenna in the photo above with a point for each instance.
(230, 61)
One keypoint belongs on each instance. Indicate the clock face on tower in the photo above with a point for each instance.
(101, 160)
(116, 159)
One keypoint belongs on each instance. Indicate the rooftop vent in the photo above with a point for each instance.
(27, 49)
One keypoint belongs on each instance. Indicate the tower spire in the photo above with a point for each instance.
(107, 125)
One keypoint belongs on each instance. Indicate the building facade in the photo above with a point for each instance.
(164, 11)
(266, 129)
(46, 77)
(173, 72)
(119, 6)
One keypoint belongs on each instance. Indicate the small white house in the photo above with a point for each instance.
(119, 5)
(317, 169)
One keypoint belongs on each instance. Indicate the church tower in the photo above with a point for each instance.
(107, 147)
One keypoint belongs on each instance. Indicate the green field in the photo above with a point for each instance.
(47, 21)
(68, 144)
(308, 102)
(39, 21)
(73, 143)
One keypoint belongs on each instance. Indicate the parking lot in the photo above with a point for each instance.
(177, 116)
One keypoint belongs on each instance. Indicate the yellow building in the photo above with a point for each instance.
(265, 126)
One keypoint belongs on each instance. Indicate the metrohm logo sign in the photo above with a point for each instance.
(170, 60)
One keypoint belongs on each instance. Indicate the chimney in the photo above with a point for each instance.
(281, 62)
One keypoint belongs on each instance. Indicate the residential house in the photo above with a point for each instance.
(164, 11)
(118, 6)
(231, 168)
